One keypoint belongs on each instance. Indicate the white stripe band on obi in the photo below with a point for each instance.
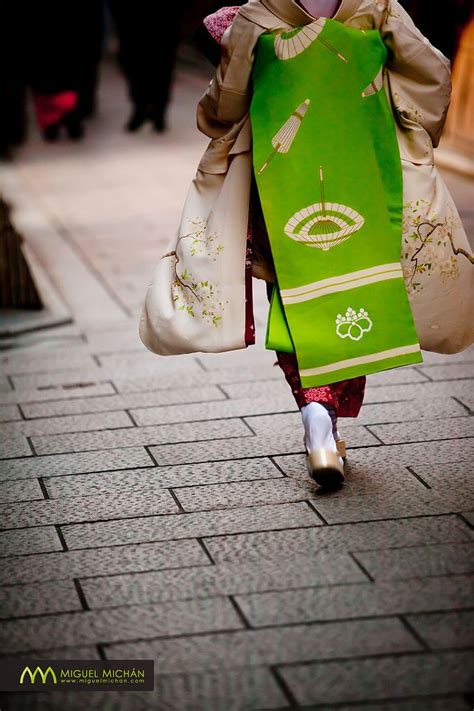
(341, 283)
(361, 360)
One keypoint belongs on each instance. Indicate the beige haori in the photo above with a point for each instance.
(197, 298)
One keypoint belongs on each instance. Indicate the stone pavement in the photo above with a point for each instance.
(159, 508)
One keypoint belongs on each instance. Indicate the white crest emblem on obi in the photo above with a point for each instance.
(353, 324)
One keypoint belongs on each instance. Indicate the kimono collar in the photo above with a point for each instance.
(228, 97)
(292, 14)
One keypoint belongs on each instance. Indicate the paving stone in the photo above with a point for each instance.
(38, 599)
(456, 499)
(438, 703)
(42, 361)
(20, 491)
(165, 528)
(448, 477)
(256, 356)
(119, 624)
(469, 516)
(64, 464)
(215, 410)
(9, 413)
(159, 398)
(448, 630)
(467, 399)
(135, 436)
(157, 372)
(376, 679)
(5, 386)
(258, 390)
(127, 383)
(92, 562)
(429, 409)
(145, 360)
(149, 501)
(278, 645)
(457, 371)
(92, 375)
(411, 454)
(235, 448)
(70, 700)
(219, 580)
(272, 425)
(84, 652)
(38, 347)
(373, 491)
(430, 358)
(396, 498)
(59, 425)
(308, 542)
(424, 430)
(29, 540)
(161, 370)
(163, 477)
(450, 559)
(253, 493)
(370, 477)
(230, 689)
(361, 600)
(105, 341)
(367, 495)
(57, 393)
(396, 376)
(15, 447)
(392, 457)
(416, 392)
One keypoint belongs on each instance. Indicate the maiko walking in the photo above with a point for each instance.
(319, 179)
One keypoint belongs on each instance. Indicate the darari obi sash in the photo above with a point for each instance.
(329, 176)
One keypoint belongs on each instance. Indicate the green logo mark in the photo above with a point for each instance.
(38, 670)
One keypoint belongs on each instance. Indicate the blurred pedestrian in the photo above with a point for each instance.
(62, 46)
(148, 33)
(12, 79)
(89, 32)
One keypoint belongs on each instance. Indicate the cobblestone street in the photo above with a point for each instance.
(159, 508)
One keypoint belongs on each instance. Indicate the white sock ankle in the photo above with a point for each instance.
(318, 427)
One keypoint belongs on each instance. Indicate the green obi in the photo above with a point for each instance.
(329, 177)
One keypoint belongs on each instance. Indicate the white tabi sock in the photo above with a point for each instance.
(319, 427)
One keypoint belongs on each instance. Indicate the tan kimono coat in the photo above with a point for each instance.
(197, 299)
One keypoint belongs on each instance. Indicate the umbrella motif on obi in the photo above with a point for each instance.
(288, 44)
(325, 224)
(375, 85)
(282, 140)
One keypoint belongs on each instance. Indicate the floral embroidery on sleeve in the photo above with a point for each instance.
(428, 244)
(199, 298)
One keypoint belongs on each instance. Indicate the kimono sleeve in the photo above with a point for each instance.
(227, 99)
(419, 71)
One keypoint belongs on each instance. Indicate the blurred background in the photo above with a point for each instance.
(98, 143)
